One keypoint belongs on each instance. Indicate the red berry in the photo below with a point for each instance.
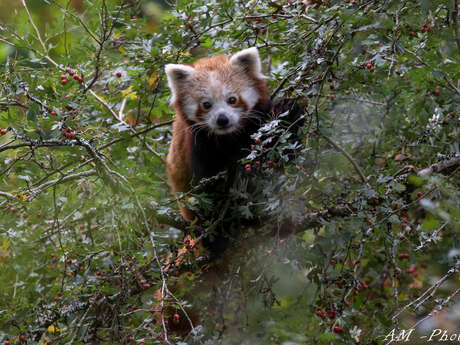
(331, 313)
(63, 76)
(68, 261)
(3, 131)
(364, 285)
(257, 163)
(436, 92)
(133, 17)
(419, 194)
(331, 87)
(147, 286)
(257, 140)
(78, 78)
(118, 74)
(71, 72)
(247, 168)
(269, 163)
(346, 303)
(403, 256)
(411, 269)
(372, 69)
(412, 34)
(320, 314)
(143, 281)
(67, 96)
(53, 113)
(63, 81)
(176, 318)
(338, 329)
(7, 342)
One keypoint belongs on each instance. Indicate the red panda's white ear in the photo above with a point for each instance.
(249, 61)
(177, 77)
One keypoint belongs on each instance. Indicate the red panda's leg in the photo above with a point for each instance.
(178, 163)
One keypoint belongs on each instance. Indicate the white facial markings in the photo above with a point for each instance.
(177, 77)
(190, 107)
(250, 96)
(233, 116)
(215, 85)
(227, 91)
(248, 60)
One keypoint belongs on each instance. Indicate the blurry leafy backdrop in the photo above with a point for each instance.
(348, 225)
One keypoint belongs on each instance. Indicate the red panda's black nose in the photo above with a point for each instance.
(222, 120)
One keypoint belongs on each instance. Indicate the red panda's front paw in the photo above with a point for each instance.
(187, 214)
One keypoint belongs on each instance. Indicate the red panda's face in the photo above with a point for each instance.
(217, 93)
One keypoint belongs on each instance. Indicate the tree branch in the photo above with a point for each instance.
(347, 155)
(455, 22)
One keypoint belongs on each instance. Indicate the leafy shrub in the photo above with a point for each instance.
(346, 226)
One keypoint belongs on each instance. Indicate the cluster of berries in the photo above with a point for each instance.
(257, 164)
(72, 74)
(145, 284)
(332, 314)
(67, 132)
(426, 28)
(369, 66)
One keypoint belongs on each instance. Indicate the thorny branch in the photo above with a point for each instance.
(311, 219)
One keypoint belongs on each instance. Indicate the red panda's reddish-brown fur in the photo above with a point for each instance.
(208, 140)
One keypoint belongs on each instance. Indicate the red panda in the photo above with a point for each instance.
(220, 102)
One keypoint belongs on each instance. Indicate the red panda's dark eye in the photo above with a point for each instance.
(231, 100)
(207, 105)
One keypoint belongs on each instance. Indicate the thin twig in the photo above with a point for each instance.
(35, 27)
(347, 155)
(455, 22)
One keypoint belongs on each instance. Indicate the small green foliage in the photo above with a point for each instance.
(332, 225)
